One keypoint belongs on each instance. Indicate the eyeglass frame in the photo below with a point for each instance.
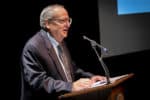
(62, 21)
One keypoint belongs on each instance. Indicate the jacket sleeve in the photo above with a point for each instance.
(36, 76)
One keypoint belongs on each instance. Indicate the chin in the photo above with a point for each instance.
(65, 35)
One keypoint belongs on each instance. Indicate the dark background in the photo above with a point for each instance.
(22, 21)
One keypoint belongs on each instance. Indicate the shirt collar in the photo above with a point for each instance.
(52, 40)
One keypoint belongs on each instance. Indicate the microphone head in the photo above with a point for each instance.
(84, 37)
(105, 49)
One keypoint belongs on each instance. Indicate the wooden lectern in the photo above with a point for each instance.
(112, 91)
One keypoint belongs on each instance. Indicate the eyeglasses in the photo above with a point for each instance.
(62, 21)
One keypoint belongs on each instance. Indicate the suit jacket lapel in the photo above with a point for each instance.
(53, 55)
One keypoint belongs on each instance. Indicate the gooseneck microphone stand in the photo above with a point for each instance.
(93, 44)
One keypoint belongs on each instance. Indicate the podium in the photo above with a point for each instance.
(112, 91)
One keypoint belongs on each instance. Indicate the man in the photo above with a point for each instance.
(47, 69)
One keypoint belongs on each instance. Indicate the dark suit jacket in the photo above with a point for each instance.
(42, 75)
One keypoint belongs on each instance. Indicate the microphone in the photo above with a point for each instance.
(94, 43)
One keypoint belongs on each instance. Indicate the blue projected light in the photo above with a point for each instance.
(133, 6)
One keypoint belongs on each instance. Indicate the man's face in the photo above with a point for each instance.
(59, 25)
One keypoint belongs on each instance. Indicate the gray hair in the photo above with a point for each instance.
(48, 13)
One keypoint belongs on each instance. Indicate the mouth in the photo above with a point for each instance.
(65, 30)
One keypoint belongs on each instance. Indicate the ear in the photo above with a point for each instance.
(47, 24)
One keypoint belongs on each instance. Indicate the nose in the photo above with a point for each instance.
(67, 24)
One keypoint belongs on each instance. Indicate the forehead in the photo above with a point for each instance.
(60, 12)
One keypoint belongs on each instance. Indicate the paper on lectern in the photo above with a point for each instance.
(112, 79)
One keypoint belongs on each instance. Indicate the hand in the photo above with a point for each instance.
(97, 78)
(81, 84)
